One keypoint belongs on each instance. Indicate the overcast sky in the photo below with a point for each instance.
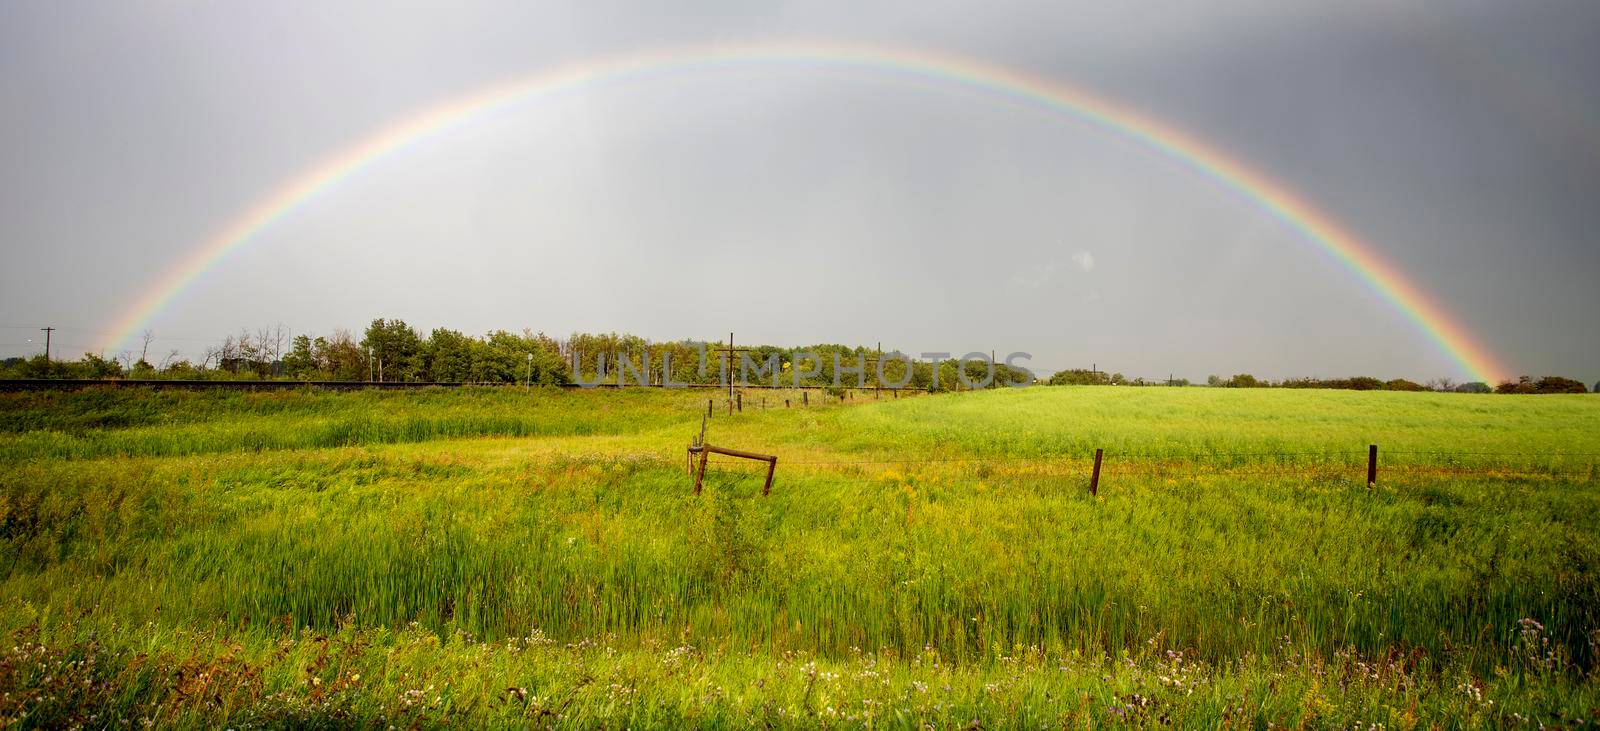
(798, 204)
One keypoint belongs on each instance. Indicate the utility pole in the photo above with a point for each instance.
(731, 352)
(877, 372)
(47, 331)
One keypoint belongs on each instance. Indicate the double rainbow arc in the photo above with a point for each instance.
(1359, 258)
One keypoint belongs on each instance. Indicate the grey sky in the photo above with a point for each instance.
(795, 205)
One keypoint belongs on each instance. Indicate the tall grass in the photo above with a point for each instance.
(1224, 567)
(125, 422)
(258, 516)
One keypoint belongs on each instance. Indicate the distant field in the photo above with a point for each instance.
(503, 557)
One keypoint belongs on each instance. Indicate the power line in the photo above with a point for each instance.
(107, 332)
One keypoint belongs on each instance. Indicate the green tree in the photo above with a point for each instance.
(447, 356)
(301, 361)
(503, 357)
(1079, 377)
(1242, 380)
(396, 347)
(93, 366)
(182, 369)
(1558, 384)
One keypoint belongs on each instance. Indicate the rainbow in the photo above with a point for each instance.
(1381, 277)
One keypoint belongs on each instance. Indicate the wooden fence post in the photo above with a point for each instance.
(708, 407)
(701, 474)
(738, 401)
(805, 398)
(1094, 478)
(1372, 465)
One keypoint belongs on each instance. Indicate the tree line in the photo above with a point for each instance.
(1523, 384)
(390, 350)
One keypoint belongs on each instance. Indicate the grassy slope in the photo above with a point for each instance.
(196, 528)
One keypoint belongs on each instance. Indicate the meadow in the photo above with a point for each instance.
(513, 557)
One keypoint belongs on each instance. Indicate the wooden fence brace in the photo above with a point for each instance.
(706, 449)
(1372, 465)
(1094, 478)
(700, 474)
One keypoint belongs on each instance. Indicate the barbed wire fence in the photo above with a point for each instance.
(1307, 463)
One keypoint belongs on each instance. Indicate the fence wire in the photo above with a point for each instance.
(1329, 463)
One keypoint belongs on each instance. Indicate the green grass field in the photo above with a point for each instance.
(501, 557)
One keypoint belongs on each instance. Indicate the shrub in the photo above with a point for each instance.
(1079, 377)
(1523, 384)
(1557, 384)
